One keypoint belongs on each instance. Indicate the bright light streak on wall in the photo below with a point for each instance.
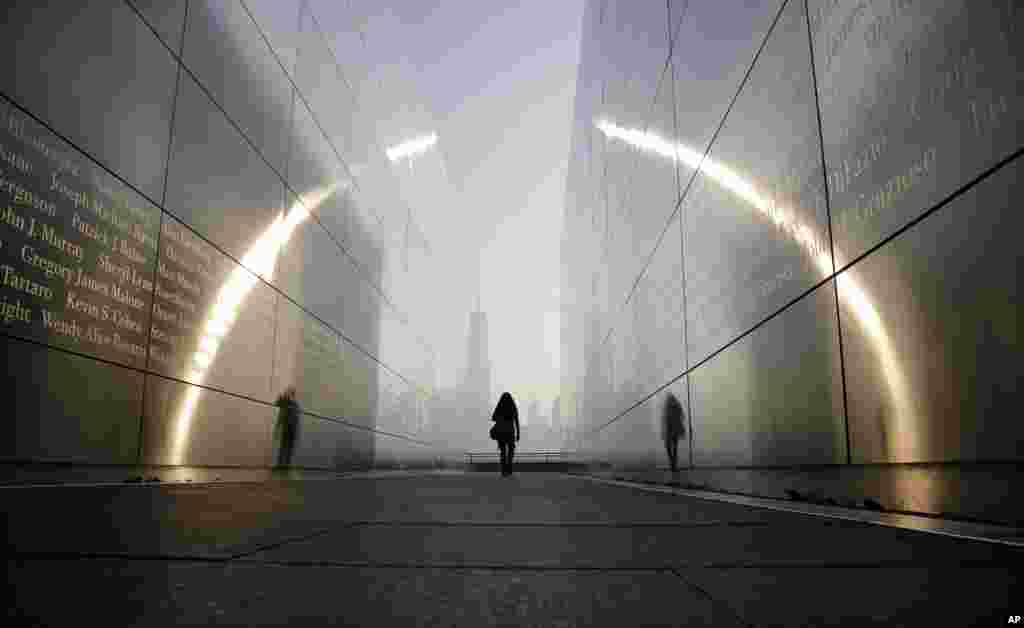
(412, 147)
(906, 445)
(260, 259)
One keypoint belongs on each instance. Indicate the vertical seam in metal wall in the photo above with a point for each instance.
(231, 121)
(145, 371)
(831, 244)
(636, 157)
(291, 77)
(681, 211)
(285, 198)
(689, 184)
(160, 222)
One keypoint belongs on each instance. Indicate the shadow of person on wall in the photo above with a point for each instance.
(288, 426)
(672, 429)
(506, 430)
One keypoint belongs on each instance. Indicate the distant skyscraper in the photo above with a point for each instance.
(476, 386)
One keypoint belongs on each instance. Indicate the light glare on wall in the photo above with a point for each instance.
(412, 147)
(260, 259)
(906, 444)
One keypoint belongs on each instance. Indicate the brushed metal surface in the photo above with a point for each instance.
(634, 40)
(77, 247)
(714, 44)
(214, 318)
(930, 329)
(658, 312)
(756, 227)
(916, 100)
(309, 356)
(68, 408)
(278, 20)
(227, 52)
(774, 397)
(186, 425)
(216, 182)
(167, 17)
(97, 74)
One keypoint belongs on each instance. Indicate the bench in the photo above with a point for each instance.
(524, 460)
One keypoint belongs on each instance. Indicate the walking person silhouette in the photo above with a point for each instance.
(672, 429)
(506, 430)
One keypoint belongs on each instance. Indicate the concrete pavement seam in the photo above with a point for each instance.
(283, 542)
(554, 524)
(807, 510)
(714, 601)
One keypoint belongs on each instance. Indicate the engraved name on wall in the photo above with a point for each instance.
(77, 247)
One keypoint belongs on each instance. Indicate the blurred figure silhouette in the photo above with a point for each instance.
(506, 430)
(672, 429)
(288, 423)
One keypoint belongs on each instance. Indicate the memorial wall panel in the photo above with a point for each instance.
(97, 74)
(636, 68)
(68, 408)
(931, 333)
(211, 317)
(167, 17)
(314, 168)
(714, 47)
(608, 402)
(616, 237)
(774, 397)
(77, 247)
(359, 386)
(310, 357)
(361, 243)
(318, 77)
(756, 224)
(630, 441)
(658, 312)
(188, 425)
(623, 349)
(654, 189)
(916, 100)
(335, 213)
(216, 182)
(278, 21)
(226, 51)
(362, 312)
(313, 271)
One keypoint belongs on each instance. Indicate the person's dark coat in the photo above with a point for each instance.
(506, 419)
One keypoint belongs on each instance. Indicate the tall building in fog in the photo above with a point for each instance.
(476, 383)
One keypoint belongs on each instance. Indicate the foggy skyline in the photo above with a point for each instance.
(496, 84)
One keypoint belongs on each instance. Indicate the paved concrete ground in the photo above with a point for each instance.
(425, 549)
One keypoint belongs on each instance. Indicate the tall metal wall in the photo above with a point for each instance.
(802, 219)
(196, 216)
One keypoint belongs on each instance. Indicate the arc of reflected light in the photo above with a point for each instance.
(412, 147)
(853, 294)
(260, 260)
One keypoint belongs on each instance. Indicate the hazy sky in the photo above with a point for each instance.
(498, 80)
